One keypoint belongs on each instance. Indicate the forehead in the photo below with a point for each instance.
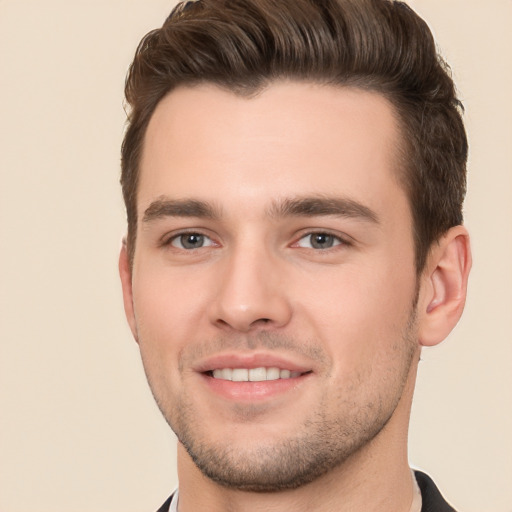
(291, 139)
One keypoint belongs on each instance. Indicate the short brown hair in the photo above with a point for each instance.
(377, 45)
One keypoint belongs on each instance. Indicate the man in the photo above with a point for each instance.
(293, 173)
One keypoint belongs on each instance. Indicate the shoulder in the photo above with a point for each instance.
(432, 499)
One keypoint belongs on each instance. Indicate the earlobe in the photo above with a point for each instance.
(444, 286)
(125, 273)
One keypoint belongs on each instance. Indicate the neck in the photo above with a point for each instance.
(376, 478)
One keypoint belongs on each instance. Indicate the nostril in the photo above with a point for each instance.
(261, 321)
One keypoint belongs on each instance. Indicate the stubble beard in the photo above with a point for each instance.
(320, 444)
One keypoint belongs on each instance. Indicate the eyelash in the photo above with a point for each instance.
(169, 241)
(337, 240)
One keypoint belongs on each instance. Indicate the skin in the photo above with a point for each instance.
(254, 181)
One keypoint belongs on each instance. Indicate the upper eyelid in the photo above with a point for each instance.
(344, 238)
(169, 237)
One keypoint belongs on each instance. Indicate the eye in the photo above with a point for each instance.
(190, 241)
(319, 241)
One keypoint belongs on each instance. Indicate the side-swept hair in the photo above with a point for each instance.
(376, 45)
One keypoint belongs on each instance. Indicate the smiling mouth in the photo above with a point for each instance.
(254, 374)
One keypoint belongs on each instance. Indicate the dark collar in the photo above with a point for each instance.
(166, 505)
(432, 500)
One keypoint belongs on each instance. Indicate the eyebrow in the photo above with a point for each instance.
(323, 206)
(297, 207)
(164, 207)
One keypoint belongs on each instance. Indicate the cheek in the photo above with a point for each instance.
(163, 315)
(361, 314)
(168, 310)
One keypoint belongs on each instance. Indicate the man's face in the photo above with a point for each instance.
(274, 243)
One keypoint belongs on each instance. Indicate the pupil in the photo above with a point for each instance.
(192, 241)
(322, 241)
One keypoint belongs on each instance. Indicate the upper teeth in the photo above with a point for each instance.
(253, 374)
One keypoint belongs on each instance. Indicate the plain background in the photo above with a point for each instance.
(78, 428)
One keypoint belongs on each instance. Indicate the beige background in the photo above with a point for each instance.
(78, 428)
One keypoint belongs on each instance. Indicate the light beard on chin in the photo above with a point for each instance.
(320, 446)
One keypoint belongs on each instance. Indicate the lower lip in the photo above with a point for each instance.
(253, 391)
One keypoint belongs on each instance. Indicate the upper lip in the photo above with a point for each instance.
(250, 360)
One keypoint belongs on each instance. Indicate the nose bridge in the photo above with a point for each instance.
(250, 291)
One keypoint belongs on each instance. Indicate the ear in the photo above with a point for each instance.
(125, 272)
(444, 286)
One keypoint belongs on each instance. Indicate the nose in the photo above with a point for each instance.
(251, 292)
